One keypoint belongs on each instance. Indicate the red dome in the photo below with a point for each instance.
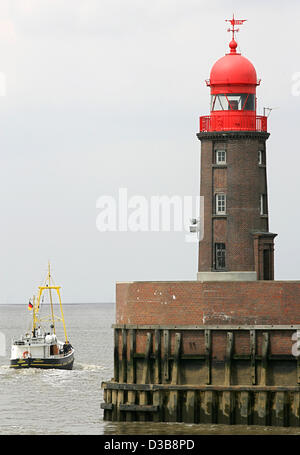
(233, 68)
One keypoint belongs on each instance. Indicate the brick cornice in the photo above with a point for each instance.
(264, 234)
(226, 135)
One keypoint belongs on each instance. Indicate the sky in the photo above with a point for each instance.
(106, 94)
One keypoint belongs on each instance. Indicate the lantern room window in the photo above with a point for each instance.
(233, 102)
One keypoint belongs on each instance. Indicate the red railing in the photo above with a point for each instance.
(229, 121)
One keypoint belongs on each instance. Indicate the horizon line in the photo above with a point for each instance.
(56, 303)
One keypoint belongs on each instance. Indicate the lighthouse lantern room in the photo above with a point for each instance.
(233, 83)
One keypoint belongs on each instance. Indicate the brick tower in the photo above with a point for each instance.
(237, 244)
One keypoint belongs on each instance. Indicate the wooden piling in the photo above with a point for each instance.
(146, 375)
(280, 411)
(166, 353)
(262, 408)
(114, 401)
(131, 373)
(157, 354)
(158, 416)
(245, 410)
(166, 386)
(207, 339)
(124, 356)
(252, 356)
(229, 348)
(172, 406)
(176, 362)
(264, 358)
(116, 355)
(189, 407)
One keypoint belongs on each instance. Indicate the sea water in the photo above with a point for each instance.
(57, 402)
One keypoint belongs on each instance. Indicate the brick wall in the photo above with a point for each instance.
(193, 302)
(219, 306)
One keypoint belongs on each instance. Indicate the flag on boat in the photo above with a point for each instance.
(30, 306)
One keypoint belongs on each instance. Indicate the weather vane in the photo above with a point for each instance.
(234, 22)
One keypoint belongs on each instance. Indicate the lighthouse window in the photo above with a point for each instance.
(263, 204)
(220, 204)
(261, 158)
(220, 256)
(233, 102)
(220, 156)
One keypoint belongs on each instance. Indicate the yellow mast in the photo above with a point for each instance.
(50, 295)
(48, 286)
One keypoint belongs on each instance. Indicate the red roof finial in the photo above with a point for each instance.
(233, 21)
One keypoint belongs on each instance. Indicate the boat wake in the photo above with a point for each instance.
(91, 367)
(77, 366)
(7, 372)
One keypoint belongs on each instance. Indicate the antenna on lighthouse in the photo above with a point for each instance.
(269, 109)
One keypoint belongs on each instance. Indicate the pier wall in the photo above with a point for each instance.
(206, 353)
(194, 302)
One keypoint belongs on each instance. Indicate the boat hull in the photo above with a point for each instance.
(62, 363)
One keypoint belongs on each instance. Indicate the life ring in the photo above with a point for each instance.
(25, 355)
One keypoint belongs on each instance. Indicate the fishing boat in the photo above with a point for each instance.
(39, 347)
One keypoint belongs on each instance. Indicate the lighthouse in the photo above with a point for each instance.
(225, 348)
(237, 244)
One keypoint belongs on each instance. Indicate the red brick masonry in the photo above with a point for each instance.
(207, 303)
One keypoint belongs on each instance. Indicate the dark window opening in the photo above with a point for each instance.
(220, 262)
(266, 264)
(234, 105)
